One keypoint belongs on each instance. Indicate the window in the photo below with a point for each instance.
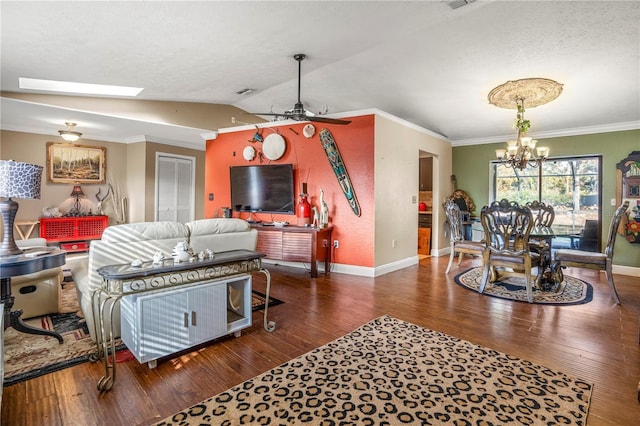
(571, 185)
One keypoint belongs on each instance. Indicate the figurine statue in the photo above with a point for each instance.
(324, 211)
(316, 216)
(158, 257)
(181, 252)
(100, 210)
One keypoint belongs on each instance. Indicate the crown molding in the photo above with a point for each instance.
(589, 130)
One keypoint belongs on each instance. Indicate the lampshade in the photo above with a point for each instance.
(77, 191)
(69, 135)
(17, 180)
(20, 180)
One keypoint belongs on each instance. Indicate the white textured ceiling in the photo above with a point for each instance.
(421, 60)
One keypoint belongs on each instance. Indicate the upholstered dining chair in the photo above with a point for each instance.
(456, 235)
(506, 231)
(596, 260)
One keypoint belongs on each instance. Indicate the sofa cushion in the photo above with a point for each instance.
(217, 226)
(144, 231)
(221, 234)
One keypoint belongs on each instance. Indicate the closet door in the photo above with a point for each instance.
(175, 181)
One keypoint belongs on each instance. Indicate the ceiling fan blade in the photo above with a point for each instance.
(298, 113)
(328, 120)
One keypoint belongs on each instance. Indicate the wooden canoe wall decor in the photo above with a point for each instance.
(335, 159)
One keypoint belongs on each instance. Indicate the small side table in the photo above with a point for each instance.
(23, 264)
(31, 224)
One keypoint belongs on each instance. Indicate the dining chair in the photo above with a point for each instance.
(456, 234)
(543, 216)
(597, 260)
(506, 230)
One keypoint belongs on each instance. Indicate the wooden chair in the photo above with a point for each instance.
(467, 209)
(456, 235)
(506, 231)
(543, 216)
(596, 260)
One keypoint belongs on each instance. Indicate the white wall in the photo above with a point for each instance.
(397, 148)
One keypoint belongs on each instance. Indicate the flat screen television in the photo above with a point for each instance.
(264, 188)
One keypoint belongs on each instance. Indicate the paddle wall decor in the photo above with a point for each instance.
(339, 169)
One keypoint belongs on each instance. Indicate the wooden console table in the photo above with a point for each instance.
(296, 244)
(126, 280)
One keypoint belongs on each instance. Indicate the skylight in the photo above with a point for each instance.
(77, 88)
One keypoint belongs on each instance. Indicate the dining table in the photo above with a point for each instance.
(552, 271)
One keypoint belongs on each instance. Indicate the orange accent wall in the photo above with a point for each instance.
(356, 145)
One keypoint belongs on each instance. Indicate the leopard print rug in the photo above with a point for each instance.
(391, 372)
(571, 290)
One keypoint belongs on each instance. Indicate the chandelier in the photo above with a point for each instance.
(514, 94)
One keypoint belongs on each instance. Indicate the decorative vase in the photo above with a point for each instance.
(303, 211)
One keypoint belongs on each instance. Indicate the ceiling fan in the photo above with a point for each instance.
(298, 113)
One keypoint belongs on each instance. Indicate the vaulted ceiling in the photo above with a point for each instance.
(422, 61)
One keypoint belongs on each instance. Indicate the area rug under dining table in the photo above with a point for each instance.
(571, 291)
(389, 371)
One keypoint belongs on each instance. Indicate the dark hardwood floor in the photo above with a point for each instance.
(597, 341)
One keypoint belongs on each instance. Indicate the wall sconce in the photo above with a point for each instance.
(19, 180)
(77, 192)
(69, 135)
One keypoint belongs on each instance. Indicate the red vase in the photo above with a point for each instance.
(303, 211)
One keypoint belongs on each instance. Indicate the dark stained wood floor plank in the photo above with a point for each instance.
(597, 342)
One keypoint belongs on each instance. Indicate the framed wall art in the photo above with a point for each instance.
(69, 163)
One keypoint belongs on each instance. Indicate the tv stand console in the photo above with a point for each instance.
(296, 244)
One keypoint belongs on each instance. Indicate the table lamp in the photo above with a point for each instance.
(17, 180)
(77, 192)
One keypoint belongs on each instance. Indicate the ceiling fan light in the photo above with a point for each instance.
(69, 136)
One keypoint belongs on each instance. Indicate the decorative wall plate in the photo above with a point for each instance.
(274, 146)
(308, 131)
(249, 153)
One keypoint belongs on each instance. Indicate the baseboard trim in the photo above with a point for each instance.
(631, 271)
(404, 263)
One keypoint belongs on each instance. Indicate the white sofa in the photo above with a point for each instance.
(124, 243)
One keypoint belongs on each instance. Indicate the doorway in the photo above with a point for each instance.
(425, 203)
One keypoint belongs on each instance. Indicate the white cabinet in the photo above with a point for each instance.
(159, 323)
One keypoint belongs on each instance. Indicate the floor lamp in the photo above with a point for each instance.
(17, 180)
